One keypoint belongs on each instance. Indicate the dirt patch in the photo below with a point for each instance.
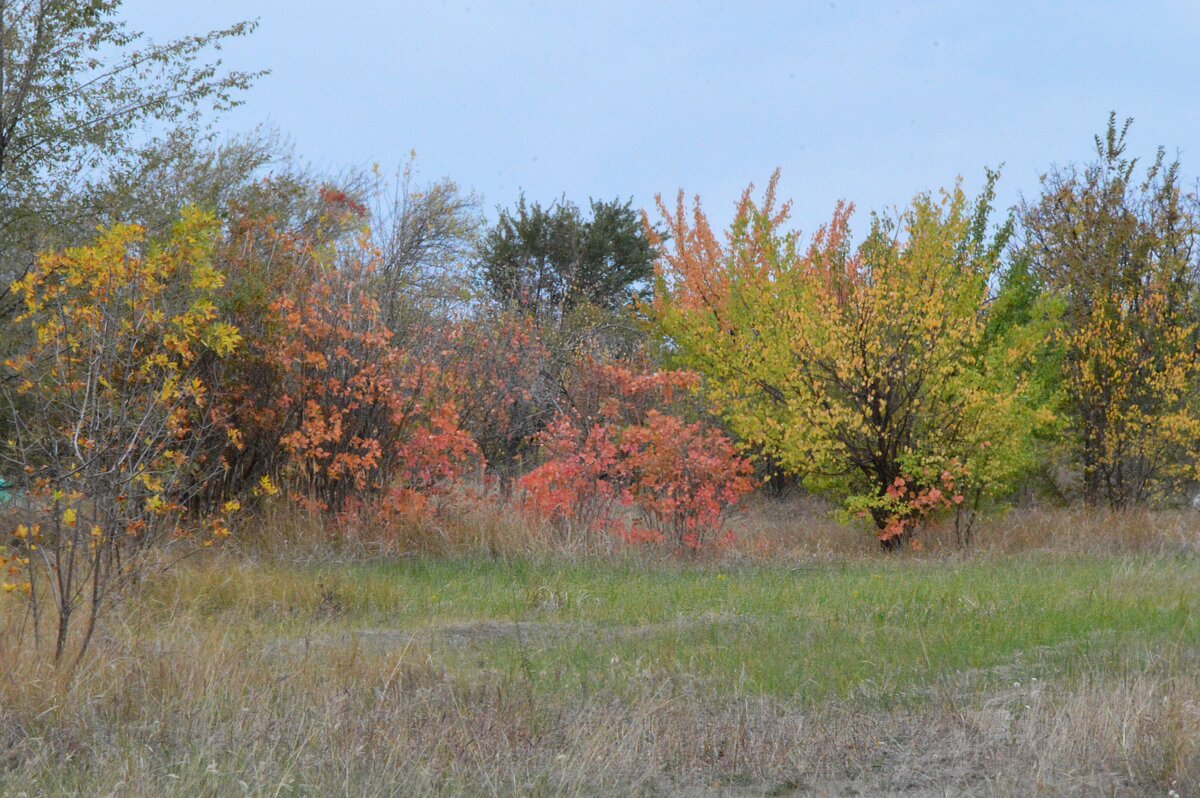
(522, 632)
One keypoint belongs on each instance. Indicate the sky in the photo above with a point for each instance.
(871, 102)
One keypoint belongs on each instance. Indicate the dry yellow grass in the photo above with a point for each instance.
(799, 528)
(204, 714)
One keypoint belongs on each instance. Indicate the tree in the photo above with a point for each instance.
(561, 284)
(323, 396)
(499, 366)
(869, 371)
(254, 174)
(424, 233)
(280, 239)
(548, 261)
(78, 90)
(1120, 254)
(118, 378)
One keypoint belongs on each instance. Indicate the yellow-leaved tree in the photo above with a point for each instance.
(870, 371)
(1122, 257)
(111, 408)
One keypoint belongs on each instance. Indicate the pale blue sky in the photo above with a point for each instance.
(867, 101)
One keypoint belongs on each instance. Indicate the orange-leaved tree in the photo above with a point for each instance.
(358, 415)
(324, 398)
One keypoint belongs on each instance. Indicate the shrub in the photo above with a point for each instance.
(499, 366)
(112, 408)
(323, 396)
(618, 456)
(356, 415)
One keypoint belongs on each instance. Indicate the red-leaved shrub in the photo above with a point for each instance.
(632, 470)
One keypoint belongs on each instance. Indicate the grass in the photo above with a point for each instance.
(1058, 669)
(878, 630)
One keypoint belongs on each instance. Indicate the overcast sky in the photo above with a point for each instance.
(867, 101)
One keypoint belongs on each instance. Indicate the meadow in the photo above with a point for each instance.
(1060, 657)
(351, 481)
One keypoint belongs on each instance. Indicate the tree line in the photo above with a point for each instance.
(193, 328)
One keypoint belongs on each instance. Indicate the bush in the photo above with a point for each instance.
(113, 407)
(618, 452)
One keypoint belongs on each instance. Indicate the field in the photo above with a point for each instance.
(328, 470)
(1068, 666)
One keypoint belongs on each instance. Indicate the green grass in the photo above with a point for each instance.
(883, 631)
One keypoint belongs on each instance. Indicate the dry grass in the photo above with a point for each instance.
(458, 526)
(804, 528)
(220, 685)
(1093, 532)
(203, 714)
(796, 529)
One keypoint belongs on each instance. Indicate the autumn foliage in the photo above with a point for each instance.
(356, 415)
(615, 464)
(1117, 251)
(500, 366)
(849, 363)
(163, 385)
(323, 398)
(113, 404)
